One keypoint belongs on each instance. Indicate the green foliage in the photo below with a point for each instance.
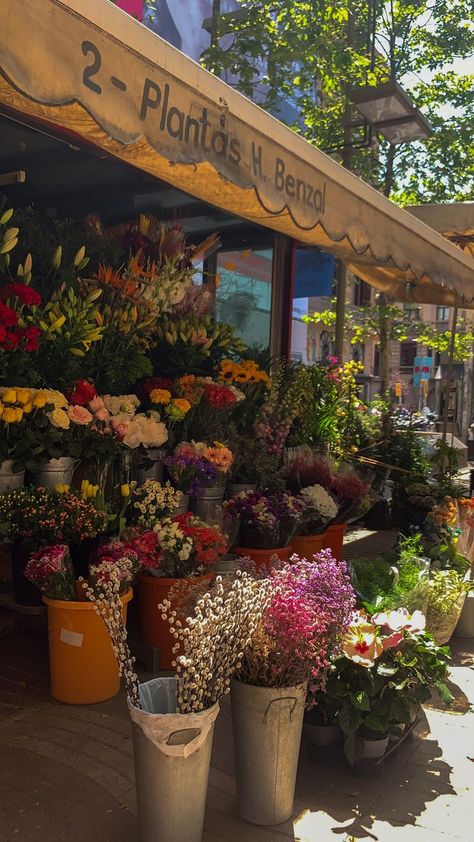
(194, 344)
(416, 44)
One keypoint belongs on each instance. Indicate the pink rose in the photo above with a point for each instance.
(96, 404)
(80, 415)
(121, 430)
(102, 414)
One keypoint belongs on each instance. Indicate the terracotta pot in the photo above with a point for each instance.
(153, 629)
(263, 557)
(334, 539)
(306, 546)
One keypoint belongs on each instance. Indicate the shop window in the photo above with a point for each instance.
(407, 354)
(244, 293)
(361, 293)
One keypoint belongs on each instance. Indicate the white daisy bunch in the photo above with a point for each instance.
(213, 641)
(152, 501)
(316, 497)
(176, 549)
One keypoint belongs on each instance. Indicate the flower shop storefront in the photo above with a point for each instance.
(163, 480)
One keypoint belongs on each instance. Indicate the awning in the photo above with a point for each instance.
(86, 68)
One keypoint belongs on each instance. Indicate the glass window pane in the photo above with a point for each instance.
(244, 293)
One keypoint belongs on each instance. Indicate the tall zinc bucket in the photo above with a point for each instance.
(209, 501)
(172, 759)
(155, 471)
(267, 723)
(10, 480)
(56, 472)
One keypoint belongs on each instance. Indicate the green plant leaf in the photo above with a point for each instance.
(360, 700)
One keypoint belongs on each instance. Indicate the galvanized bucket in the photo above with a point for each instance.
(56, 472)
(225, 565)
(267, 724)
(183, 504)
(208, 503)
(172, 758)
(155, 471)
(10, 480)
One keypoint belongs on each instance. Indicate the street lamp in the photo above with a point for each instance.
(388, 110)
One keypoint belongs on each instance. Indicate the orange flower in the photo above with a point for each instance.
(182, 404)
(160, 396)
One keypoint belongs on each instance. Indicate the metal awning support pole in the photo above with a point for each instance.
(449, 378)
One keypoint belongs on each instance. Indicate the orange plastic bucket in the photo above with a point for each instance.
(306, 546)
(153, 629)
(334, 539)
(263, 557)
(82, 664)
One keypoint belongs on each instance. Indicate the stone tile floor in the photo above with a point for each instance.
(66, 772)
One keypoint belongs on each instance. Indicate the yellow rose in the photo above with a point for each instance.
(23, 396)
(28, 407)
(9, 415)
(39, 400)
(55, 397)
(19, 413)
(58, 418)
(9, 396)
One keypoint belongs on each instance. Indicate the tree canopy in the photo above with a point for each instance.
(299, 50)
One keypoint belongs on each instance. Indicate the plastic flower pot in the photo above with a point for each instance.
(322, 735)
(267, 724)
(373, 749)
(262, 558)
(153, 629)
(10, 480)
(172, 754)
(334, 539)
(82, 663)
(306, 546)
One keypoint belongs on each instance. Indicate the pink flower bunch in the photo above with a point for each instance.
(50, 569)
(349, 486)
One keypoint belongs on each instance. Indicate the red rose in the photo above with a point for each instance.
(8, 316)
(83, 393)
(3, 333)
(219, 396)
(25, 294)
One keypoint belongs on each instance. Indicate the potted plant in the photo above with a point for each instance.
(175, 556)
(352, 498)
(84, 668)
(446, 596)
(267, 524)
(388, 667)
(31, 518)
(290, 647)
(318, 508)
(210, 495)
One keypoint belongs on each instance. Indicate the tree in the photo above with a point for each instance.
(302, 46)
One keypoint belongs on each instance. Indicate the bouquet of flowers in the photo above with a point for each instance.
(43, 517)
(303, 626)
(201, 403)
(307, 468)
(266, 521)
(113, 562)
(51, 570)
(150, 502)
(179, 547)
(318, 509)
(189, 471)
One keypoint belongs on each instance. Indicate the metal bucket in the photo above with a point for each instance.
(267, 724)
(10, 480)
(172, 758)
(225, 565)
(155, 471)
(208, 503)
(183, 504)
(55, 472)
